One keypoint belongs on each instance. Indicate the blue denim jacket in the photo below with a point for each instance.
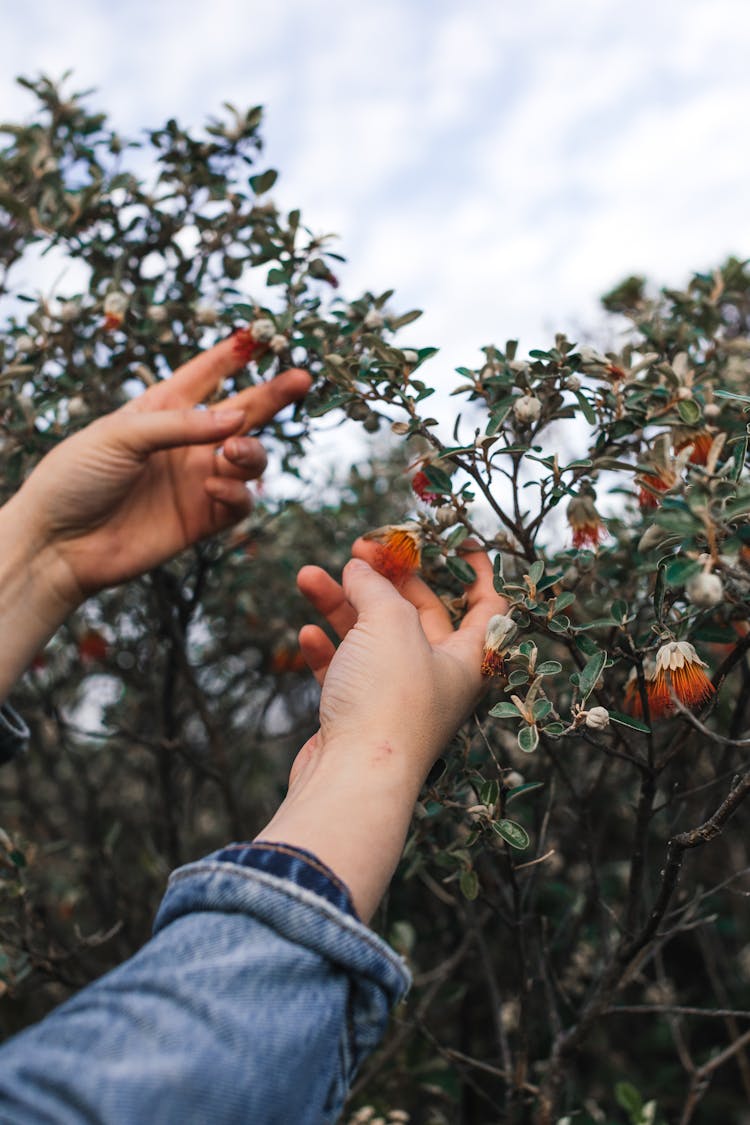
(254, 1003)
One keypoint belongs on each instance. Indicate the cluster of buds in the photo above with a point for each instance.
(501, 629)
(399, 550)
(676, 674)
(585, 521)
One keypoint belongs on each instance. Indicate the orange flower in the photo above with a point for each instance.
(113, 321)
(679, 668)
(632, 702)
(285, 659)
(700, 443)
(650, 484)
(588, 529)
(399, 551)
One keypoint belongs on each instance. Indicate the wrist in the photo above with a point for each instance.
(34, 596)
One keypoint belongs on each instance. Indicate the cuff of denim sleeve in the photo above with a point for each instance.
(14, 734)
(296, 912)
(290, 862)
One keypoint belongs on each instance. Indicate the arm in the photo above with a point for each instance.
(127, 493)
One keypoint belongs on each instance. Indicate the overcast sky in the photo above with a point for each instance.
(499, 163)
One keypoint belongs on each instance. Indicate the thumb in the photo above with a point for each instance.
(164, 429)
(365, 589)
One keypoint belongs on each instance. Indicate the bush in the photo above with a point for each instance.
(571, 897)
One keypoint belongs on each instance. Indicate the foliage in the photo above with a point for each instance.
(569, 900)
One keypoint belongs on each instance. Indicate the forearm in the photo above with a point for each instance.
(352, 811)
(31, 606)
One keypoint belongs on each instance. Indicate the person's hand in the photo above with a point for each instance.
(140, 484)
(127, 493)
(403, 679)
(393, 693)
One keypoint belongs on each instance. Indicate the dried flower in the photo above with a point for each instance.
(698, 442)
(501, 630)
(399, 550)
(704, 590)
(527, 409)
(584, 519)
(597, 718)
(679, 669)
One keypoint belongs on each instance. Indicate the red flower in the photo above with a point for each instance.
(701, 443)
(585, 521)
(651, 484)
(245, 346)
(421, 486)
(92, 646)
(113, 321)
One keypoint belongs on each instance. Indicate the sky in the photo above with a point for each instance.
(500, 164)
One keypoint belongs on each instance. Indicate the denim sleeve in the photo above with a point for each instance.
(256, 1000)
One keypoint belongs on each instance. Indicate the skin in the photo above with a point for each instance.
(127, 493)
(393, 694)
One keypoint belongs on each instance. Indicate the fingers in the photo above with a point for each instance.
(263, 401)
(317, 649)
(232, 496)
(147, 432)
(201, 375)
(368, 591)
(328, 598)
(243, 458)
(434, 617)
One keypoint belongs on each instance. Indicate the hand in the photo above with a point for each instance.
(394, 692)
(146, 481)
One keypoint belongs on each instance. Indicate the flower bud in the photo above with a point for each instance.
(573, 383)
(684, 393)
(527, 409)
(704, 590)
(410, 357)
(711, 411)
(263, 330)
(77, 406)
(157, 313)
(501, 629)
(278, 343)
(512, 779)
(597, 718)
(115, 304)
(24, 344)
(374, 320)
(69, 311)
(206, 314)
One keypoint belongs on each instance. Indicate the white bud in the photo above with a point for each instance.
(704, 590)
(520, 366)
(527, 409)
(157, 313)
(115, 304)
(512, 779)
(597, 718)
(69, 311)
(263, 330)
(573, 383)
(24, 344)
(711, 410)
(684, 393)
(445, 516)
(206, 314)
(77, 406)
(374, 319)
(590, 357)
(410, 357)
(279, 343)
(500, 631)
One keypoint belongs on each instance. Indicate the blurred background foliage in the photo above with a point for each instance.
(573, 896)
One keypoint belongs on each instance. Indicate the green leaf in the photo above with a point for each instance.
(461, 570)
(528, 739)
(536, 570)
(527, 647)
(629, 1099)
(564, 600)
(629, 721)
(590, 674)
(517, 790)
(469, 885)
(404, 319)
(489, 792)
(548, 668)
(739, 456)
(678, 520)
(560, 624)
(512, 832)
(439, 480)
(541, 709)
(680, 570)
(264, 182)
(689, 411)
(518, 677)
(497, 573)
(554, 728)
(505, 710)
(586, 408)
(660, 590)
(619, 611)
